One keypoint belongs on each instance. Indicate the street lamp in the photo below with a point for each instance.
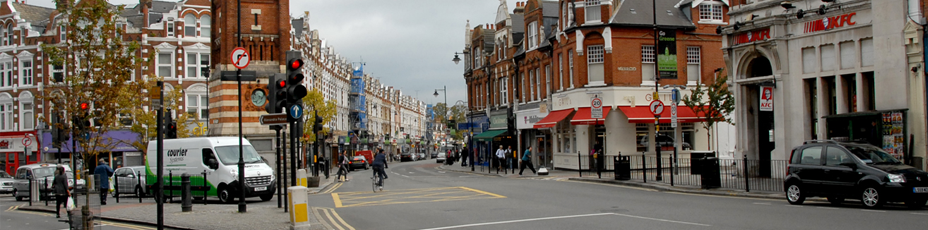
(456, 59)
(444, 89)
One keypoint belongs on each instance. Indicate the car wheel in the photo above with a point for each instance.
(916, 203)
(138, 192)
(794, 194)
(225, 196)
(870, 197)
(835, 200)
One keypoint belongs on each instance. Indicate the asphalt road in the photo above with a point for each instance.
(11, 217)
(419, 195)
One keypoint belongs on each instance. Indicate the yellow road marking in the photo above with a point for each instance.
(409, 196)
(129, 226)
(332, 217)
(482, 192)
(332, 188)
(317, 211)
(14, 207)
(338, 202)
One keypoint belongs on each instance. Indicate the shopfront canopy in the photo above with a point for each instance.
(642, 114)
(584, 117)
(553, 118)
(489, 134)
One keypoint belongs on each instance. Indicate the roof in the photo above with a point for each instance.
(549, 8)
(32, 14)
(639, 13)
(518, 23)
(162, 6)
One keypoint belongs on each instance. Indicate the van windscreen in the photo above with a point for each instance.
(228, 155)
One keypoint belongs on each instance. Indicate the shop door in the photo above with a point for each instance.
(766, 141)
(9, 162)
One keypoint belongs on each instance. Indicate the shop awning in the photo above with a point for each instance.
(584, 117)
(642, 114)
(553, 118)
(489, 134)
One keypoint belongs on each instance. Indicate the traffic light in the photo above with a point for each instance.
(295, 89)
(170, 127)
(80, 118)
(317, 126)
(59, 130)
(276, 94)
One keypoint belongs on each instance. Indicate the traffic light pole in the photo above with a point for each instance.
(293, 135)
(279, 187)
(160, 136)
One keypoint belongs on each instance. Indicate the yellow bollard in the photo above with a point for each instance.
(301, 177)
(299, 214)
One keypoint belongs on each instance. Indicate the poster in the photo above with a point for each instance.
(893, 135)
(766, 98)
(667, 54)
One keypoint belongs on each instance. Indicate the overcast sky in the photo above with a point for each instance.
(407, 44)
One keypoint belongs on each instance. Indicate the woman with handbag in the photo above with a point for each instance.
(60, 187)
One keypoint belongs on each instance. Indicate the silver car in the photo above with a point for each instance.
(43, 174)
(130, 180)
(6, 182)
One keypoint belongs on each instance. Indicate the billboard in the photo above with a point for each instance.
(667, 54)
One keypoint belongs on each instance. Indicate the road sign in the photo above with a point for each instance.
(240, 58)
(273, 119)
(296, 111)
(673, 115)
(597, 111)
(657, 107)
(27, 141)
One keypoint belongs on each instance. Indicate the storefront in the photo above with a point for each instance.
(17, 149)
(122, 152)
(538, 139)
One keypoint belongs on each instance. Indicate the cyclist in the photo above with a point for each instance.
(380, 162)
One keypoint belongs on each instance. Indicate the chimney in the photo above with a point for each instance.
(520, 8)
(144, 5)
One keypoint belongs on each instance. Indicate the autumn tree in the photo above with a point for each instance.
(315, 103)
(714, 103)
(144, 118)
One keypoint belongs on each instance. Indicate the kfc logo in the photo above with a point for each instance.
(766, 98)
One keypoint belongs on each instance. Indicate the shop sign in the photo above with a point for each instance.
(828, 23)
(751, 36)
(667, 54)
(766, 98)
(527, 119)
(498, 121)
(12, 144)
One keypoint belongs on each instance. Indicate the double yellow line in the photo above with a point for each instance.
(332, 188)
(14, 207)
(122, 225)
(330, 219)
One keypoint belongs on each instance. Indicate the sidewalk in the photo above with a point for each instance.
(659, 186)
(213, 215)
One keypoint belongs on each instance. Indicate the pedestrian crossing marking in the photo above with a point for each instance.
(409, 196)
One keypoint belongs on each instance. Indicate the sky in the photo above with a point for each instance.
(407, 44)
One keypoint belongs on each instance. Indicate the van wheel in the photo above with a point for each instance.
(794, 194)
(870, 197)
(835, 200)
(225, 196)
(267, 197)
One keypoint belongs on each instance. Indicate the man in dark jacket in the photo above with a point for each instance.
(60, 187)
(103, 172)
(380, 162)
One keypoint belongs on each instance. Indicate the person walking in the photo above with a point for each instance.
(103, 172)
(464, 156)
(501, 159)
(60, 187)
(527, 161)
(510, 156)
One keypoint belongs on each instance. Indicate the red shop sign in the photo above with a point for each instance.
(828, 23)
(752, 36)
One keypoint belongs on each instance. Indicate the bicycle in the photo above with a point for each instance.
(375, 180)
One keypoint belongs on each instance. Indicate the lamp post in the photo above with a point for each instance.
(470, 125)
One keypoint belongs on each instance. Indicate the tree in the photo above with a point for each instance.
(144, 118)
(99, 67)
(457, 114)
(315, 102)
(713, 103)
(441, 113)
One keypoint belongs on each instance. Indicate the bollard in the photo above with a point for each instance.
(301, 177)
(186, 203)
(31, 191)
(44, 190)
(297, 198)
(139, 179)
(116, 186)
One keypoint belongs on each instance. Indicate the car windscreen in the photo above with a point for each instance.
(43, 172)
(228, 155)
(872, 155)
(5, 175)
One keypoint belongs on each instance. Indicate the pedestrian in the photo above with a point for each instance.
(464, 157)
(527, 161)
(60, 187)
(103, 172)
(510, 156)
(501, 159)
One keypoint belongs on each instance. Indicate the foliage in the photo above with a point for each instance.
(99, 68)
(144, 119)
(713, 103)
(456, 113)
(315, 102)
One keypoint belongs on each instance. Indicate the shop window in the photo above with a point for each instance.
(647, 63)
(828, 85)
(808, 60)
(848, 56)
(828, 57)
(812, 105)
(866, 52)
(850, 86)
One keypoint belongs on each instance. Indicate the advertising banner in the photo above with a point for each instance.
(766, 98)
(667, 54)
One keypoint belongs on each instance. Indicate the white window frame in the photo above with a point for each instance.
(63, 33)
(205, 26)
(648, 60)
(26, 75)
(201, 111)
(504, 89)
(6, 72)
(197, 65)
(560, 72)
(170, 28)
(711, 11)
(570, 63)
(532, 35)
(593, 11)
(26, 112)
(6, 113)
(190, 25)
(170, 65)
(693, 57)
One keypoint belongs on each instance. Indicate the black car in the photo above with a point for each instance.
(839, 171)
(358, 162)
(407, 157)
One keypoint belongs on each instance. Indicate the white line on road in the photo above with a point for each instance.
(828, 208)
(663, 220)
(517, 221)
(872, 211)
(924, 214)
(762, 203)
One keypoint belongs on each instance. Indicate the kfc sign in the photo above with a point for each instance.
(752, 36)
(828, 23)
(766, 98)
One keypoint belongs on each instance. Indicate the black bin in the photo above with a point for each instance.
(622, 167)
(696, 163)
(711, 177)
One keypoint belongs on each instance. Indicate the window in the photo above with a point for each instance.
(809, 156)
(25, 74)
(58, 73)
(560, 72)
(165, 65)
(808, 60)
(531, 88)
(647, 64)
(570, 63)
(532, 35)
(692, 64)
(5, 41)
(190, 25)
(812, 106)
(205, 26)
(866, 52)
(197, 64)
(563, 16)
(850, 91)
(198, 105)
(170, 28)
(62, 33)
(537, 85)
(27, 114)
(6, 74)
(828, 57)
(594, 60)
(504, 88)
(6, 113)
(710, 11)
(835, 156)
(548, 85)
(593, 12)
(9, 33)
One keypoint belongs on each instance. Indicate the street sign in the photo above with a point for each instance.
(597, 108)
(273, 119)
(673, 115)
(296, 111)
(240, 58)
(657, 107)
(27, 141)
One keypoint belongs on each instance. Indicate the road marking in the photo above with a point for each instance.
(338, 202)
(14, 207)
(332, 217)
(872, 211)
(332, 188)
(517, 221)
(829, 208)
(663, 220)
(761, 203)
(483, 192)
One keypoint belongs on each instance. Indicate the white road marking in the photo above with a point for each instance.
(828, 208)
(872, 211)
(924, 214)
(662, 220)
(762, 203)
(565, 217)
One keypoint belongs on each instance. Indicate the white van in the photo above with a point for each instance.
(195, 156)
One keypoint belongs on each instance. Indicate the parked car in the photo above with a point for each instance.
(408, 157)
(864, 172)
(40, 173)
(6, 182)
(440, 158)
(358, 162)
(421, 156)
(666, 143)
(130, 180)
(434, 154)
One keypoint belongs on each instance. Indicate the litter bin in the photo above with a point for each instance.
(622, 167)
(710, 178)
(696, 163)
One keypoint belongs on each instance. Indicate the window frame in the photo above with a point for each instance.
(532, 35)
(26, 74)
(711, 11)
(159, 65)
(26, 114)
(190, 25)
(6, 113)
(592, 11)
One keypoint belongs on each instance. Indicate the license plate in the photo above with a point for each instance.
(920, 190)
(260, 189)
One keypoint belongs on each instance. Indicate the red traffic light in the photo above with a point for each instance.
(295, 63)
(85, 105)
(282, 83)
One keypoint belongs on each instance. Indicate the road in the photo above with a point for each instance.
(11, 217)
(419, 195)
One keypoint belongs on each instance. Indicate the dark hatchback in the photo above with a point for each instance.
(839, 171)
(359, 162)
(407, 157)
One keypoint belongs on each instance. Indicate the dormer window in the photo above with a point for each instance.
(710, 11)
(532, 35)
(593, 12)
